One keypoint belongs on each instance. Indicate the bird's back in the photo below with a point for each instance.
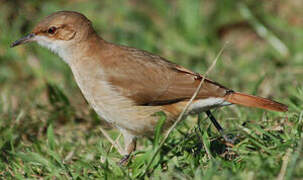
(149, 79)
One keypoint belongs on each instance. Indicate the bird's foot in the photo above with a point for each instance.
(124, 160)
(229, 139)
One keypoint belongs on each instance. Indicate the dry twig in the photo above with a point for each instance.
(114, 143)
(184, 109)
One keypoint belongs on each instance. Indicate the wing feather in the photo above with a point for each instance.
(149, 79)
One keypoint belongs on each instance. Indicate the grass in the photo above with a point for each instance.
(48, 131)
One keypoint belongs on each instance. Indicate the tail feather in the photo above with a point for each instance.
(254, 101)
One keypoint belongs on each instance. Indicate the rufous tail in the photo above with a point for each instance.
(254, 101)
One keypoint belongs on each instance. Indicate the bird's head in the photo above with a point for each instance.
(59, 31)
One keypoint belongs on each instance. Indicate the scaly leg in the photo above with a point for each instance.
(130, 146)
(219, 128)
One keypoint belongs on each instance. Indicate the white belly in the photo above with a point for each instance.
(206, 104)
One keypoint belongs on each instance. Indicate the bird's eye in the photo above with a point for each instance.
(51, 30)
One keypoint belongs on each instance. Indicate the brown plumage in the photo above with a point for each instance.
(127, 86)
(254, 101)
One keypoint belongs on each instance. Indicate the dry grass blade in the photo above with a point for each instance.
(184, 111)
(114, 143)
(284, 165)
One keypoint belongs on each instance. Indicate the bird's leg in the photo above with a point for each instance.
(219, 128)
(130, 146)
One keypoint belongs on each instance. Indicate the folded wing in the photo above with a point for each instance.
(149, 79)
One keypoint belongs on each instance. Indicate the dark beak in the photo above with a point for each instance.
(23, 40)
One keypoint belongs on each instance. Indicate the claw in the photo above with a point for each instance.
(229, 140)
(124, 160)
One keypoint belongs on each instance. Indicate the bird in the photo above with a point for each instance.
(128, 86)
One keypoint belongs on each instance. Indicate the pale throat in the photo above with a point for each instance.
(60, 47)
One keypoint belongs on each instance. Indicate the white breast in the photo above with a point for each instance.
(108, 103)
(56, 46)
